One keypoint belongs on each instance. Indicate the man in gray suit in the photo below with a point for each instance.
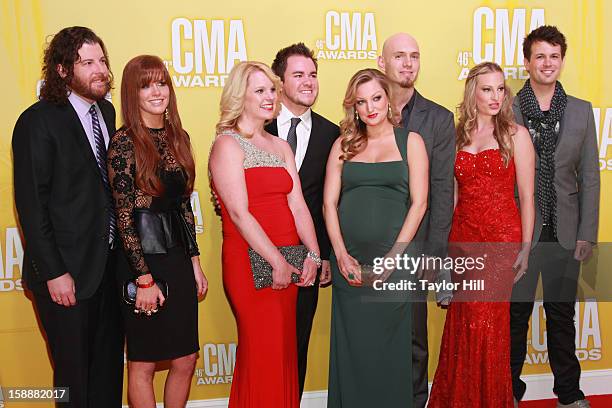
(400, 61)
(567, 211)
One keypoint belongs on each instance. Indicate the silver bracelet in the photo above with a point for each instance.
(315, 257)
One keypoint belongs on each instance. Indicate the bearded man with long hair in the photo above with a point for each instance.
(67, 218)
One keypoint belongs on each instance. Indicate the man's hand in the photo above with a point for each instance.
(62, 290)
(584, 250)
(325, 273)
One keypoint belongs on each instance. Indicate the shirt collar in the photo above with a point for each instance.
(80, 105)
(285, 116)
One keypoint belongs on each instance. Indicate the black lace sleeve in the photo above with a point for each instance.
(121, 174)
(189, 218)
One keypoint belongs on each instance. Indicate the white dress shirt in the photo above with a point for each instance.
(81, 106)
(283, 123)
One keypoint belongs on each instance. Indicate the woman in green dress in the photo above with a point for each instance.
(372, 209)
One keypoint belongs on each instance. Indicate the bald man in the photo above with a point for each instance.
(400, 61)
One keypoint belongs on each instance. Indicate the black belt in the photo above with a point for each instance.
(160, 231)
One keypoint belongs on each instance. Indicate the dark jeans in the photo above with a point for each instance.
(559, 271)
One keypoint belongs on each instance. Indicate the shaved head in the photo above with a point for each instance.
(399, 40)
(400, 59)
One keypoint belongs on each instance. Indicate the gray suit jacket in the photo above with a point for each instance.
(436, 126)
(576, 175)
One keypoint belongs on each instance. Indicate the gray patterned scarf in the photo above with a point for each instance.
(544, 130)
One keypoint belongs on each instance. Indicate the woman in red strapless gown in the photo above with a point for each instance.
(256, 181)
(474, 365)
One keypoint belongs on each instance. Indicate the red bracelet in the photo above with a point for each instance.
(145, 285)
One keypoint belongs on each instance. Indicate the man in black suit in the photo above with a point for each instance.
(400, 60)
(67, 218)
(311, 137)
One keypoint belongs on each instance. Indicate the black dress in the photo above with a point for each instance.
(173, 331)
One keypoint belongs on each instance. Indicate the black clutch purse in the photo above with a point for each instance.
(130, 287)
(262, 270)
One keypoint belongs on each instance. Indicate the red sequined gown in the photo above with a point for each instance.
(474, 365)
(265, 374)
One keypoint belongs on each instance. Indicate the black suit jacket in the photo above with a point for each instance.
(312, 172)
(60, 198)
(436, 126)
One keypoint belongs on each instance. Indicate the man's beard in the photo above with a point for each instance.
(85, 89)
(407, 83)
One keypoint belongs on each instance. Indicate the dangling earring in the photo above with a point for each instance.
(166, 115)
(389, 113)
(356, 116)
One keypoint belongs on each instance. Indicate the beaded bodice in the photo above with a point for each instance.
(267, 185)
(486, 208)
(256, 157)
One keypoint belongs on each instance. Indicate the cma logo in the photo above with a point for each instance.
(497, 37)
(219, 360)
(11, 261)
(197, 212)
(588, 334)
(204, 51)
(603, 119)
(348, 36)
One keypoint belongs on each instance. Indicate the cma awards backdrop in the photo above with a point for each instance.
(201, 42)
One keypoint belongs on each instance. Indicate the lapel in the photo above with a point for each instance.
(417, 116)
(272, 128)
(81, 139)
(108, 120)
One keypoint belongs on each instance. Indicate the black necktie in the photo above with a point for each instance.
(101, 160)
(292, 135)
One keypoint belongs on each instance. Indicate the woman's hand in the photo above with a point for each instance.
(281, 275)
(521, 264)
(349, 268)
(148, 299)
(309, 274)
(325, 273)
(200, 278)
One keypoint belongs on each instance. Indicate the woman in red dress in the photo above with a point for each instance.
(255, 178)
(493, 153)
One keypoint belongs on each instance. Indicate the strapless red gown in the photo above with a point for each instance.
(474, 365)
(265, 374)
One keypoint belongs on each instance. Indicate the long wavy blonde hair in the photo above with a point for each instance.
(504, 124)
(353, 132)
(234, 91)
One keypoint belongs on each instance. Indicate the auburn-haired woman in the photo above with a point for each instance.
(493, 155)
(152, 171)
(374, 199)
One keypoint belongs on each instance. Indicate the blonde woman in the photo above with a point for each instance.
(372, 209)
(493, 155)
(256, 181)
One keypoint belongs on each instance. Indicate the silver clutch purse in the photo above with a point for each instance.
(262, 270)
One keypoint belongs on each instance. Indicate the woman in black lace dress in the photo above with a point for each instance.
(151, 171)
